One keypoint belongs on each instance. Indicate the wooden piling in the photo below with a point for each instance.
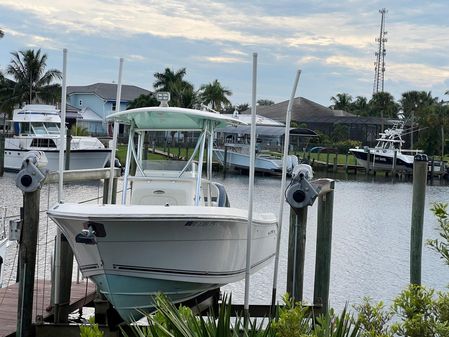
(225, 161)
(419, 195)
(27, 263)
(393, 166)
(296, 253)
(61, 312)
(323, 249)
(68, 142)
(2, 154)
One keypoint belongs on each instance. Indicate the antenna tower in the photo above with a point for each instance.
(379, 64)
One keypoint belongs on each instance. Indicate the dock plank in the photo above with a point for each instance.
(81, 294)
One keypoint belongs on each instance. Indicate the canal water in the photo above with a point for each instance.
(370, 247)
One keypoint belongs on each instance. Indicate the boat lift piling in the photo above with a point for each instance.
(419, 195)
(301, 194)
(29, 180)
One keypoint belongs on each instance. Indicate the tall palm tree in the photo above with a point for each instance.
(33, 83)
(214, 94)
(167, 78)
(182, 93)
(414, 102)
(341, 102)
(360, 106)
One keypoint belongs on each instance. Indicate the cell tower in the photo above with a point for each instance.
(379, 64)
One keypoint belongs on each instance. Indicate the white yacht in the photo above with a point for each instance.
(389, 146)
(36, 128)
(175, 231)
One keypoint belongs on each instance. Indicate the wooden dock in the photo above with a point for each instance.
(81, 294)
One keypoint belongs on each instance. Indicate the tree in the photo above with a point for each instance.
(143, 101)
(382, 105)
(33, 83)
(182, 92)
(413, 103)
(341, 102)
(214, 94)
(264, 102)
(360, 106)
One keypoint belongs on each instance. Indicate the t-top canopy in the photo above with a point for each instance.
(169, 118)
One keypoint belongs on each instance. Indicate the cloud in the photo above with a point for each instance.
(224, 59)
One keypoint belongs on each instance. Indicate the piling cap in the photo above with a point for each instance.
(421, 157)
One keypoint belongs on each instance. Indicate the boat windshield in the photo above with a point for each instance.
(52, 128)
(167, 167)
(39, 128)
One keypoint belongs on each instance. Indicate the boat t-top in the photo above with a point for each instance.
(175, 230)
(37, 128)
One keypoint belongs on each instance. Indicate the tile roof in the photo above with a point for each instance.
(108, 91)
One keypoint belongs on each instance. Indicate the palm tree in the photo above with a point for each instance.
(383, 104)
(360, 106)
(414, 102)
(182, 92)
(33, 83)
(214, 94)
(341, 102)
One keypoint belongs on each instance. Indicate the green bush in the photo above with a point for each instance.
(91, 329)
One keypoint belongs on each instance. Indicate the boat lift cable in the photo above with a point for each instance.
(283, 183)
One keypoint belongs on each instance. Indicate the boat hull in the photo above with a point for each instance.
(241, 160)
(182, 251)
(381, 160)
(79, 159)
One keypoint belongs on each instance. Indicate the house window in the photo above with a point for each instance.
(81, 102)
(114, 106)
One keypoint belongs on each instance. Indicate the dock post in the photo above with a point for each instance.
(2, 154)
(393, 166)
(327, 161)
(419, 194)
(323, 248)
(368, 160)
(29, 180)
(27, 263)
(335, 163)
(61, 314)
(296, 253)
(68, 142)
(225, 161)
(346, 162)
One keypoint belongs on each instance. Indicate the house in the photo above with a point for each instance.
(97, 101)
(312, 115)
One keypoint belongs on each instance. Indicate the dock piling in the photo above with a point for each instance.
(419, 194)
(323, 247)
(296, 252)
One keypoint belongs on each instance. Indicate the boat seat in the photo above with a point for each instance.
(163, 192)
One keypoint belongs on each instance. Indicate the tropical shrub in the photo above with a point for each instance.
(373, 319)
(91, 329)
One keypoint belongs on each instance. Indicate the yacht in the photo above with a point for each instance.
(175, 230)
(36, 128)
(388, 148)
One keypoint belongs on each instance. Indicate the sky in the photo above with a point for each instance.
(331, 42)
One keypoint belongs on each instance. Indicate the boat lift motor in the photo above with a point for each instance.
(301, 193)
(31, 176)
